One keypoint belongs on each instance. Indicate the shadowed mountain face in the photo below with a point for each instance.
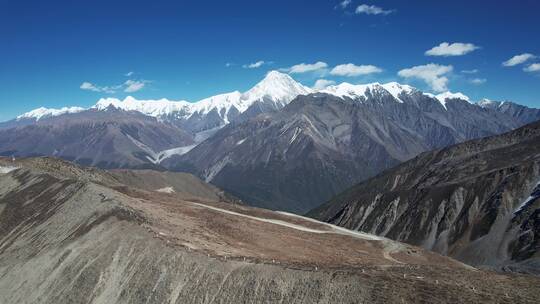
(321, 144)
(108, 139)
(478, 201)
(70, 234)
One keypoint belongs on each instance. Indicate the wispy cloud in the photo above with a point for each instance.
(129, 74)
(134, 85)
(95, 88)
(473, 71)
(352, 70)
(321, 84)
(306, 67)
(343, 4)
(129, 86)
(432, 74)
(518, 59)
(229, 64)
(89, 86)
(535, 67)
(372, 10)
(478, 81)
(254, 65)
(452, 49)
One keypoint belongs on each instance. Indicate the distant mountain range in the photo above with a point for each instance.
(280, 145)
(478, 201)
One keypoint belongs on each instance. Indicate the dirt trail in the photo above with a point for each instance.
(389, 246)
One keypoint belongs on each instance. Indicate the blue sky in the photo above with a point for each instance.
(180, 49)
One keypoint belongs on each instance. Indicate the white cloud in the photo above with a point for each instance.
(321, 84)
(372, 10)
(129, 86)
(229, 64)
(433, 74)
(254, 65)
(134, 85)
(478, 81)
(473, 71)
(92, 87)
(518, 59)
(343, 4)
(129, 74)
(535, 67)
(306, 67)
(452, 49)
(89, 86)
(351, 70)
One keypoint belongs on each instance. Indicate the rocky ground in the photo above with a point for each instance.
(76, 235)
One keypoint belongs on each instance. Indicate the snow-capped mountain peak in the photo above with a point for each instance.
(278, 87)
(486, 103)
(396, 89)
(42, 112)
(346, 89)
(354, 91)
(153, 108)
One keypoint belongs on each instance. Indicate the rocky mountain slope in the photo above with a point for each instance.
(523, 114)
(108, 139)
(323, 143)
(70, 234)
(478, 201)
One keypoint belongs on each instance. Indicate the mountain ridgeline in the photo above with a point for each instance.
(279, 145)
(478, 201)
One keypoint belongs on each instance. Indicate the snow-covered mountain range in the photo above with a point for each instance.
(274, 91)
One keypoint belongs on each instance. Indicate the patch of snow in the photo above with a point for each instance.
(158, 157)
(203, 135)
(295, 135)
(216, 168)
(449, 95)
(7, 169)
(534, 195)
(174, 151)
(241, 141)
(166, 190)
(42, 112)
